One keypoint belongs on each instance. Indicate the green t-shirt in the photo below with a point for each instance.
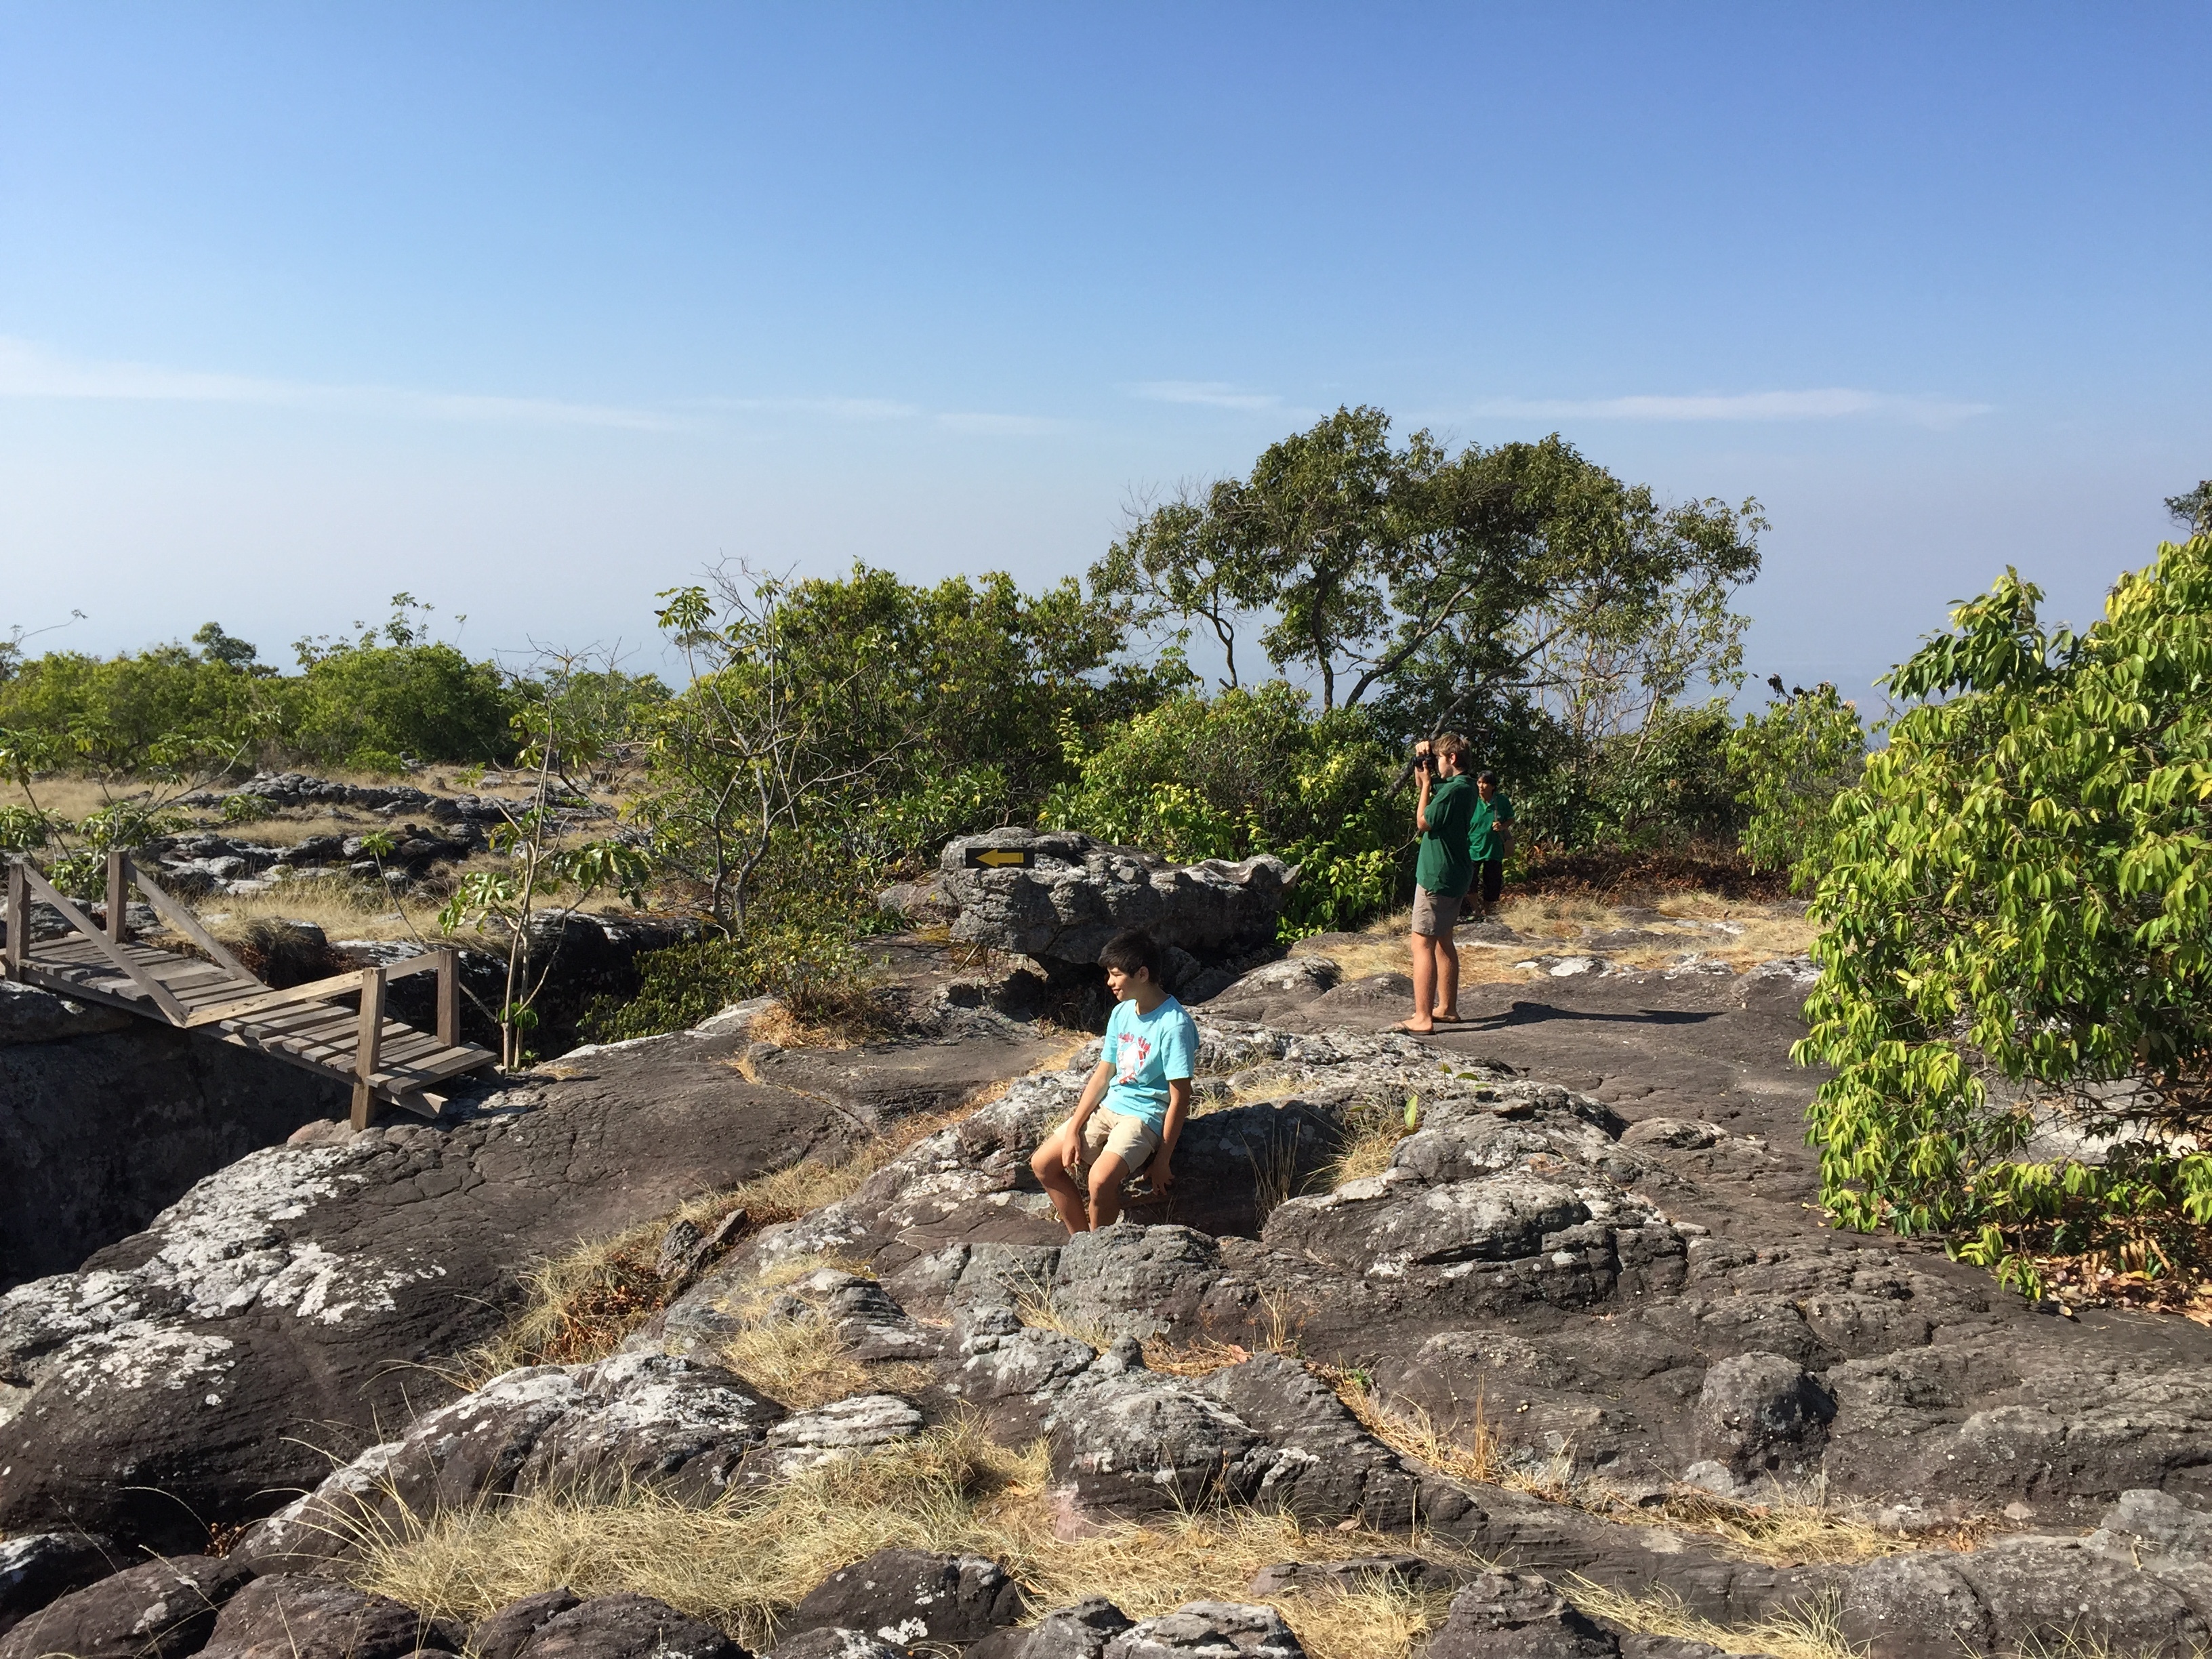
(1489, 816)
(1444, 867)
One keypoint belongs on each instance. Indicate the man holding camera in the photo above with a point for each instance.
(1442, 875)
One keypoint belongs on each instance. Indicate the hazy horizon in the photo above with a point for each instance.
(533, 311)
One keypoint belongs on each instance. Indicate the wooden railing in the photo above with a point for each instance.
(25, 883)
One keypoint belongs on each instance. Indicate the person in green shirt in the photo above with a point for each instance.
(1442, 875)
(1489, 839)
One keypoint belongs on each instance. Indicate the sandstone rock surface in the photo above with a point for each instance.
(1079, 892)
(287, 1303)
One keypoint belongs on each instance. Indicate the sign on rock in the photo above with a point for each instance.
(1000, 858)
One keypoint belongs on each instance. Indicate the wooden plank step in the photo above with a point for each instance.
(308, 1017)
(452, 1063)
(199, 990)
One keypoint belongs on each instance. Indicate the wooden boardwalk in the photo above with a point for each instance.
(382, 1058)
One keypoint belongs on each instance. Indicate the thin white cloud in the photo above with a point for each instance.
(29, 371)
(1824, 404)
(1212, 394)
(841, 409)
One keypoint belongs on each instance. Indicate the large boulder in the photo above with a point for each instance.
(633, 1421)
(2027, 1594)
(508, 1631)
(157, 1610)
(1076, 892)
(1209, 1629)
(627, 1627)
(906, 1597)
(297, 1615)
(1516, 1615)
(44, 1567)
(1080, 1632)
(1760, 1412)
(288, 1305)
(105, 1120)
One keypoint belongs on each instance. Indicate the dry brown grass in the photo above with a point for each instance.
(1380, 947)
(580, 1305)
(1797, 1532)
(1810, 1632)
(743, 1560)
(1556, 924)
(1375, 1138)
(800, 1360)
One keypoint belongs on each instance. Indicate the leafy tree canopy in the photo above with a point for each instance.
(1791, 763)
(1435, 586)
(2017, 915)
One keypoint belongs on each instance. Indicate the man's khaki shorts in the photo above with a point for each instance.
(1434, 914)
(1129, 1138)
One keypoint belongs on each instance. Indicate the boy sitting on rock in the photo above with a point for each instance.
(1133, 1108)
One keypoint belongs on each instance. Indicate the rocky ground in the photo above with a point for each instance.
(1580, 1328)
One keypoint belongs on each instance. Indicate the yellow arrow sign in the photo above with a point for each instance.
(996, 858)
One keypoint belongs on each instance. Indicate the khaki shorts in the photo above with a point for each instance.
(1129, 1138)
(1434, 914)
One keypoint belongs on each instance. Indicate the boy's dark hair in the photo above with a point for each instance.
(1133, 948)
(1490, 778)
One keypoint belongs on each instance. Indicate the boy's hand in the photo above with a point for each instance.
(1162, 1174)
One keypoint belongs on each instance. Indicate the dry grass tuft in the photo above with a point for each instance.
(1375, 1138)
(742, 1560)
(1558, 923)
(1790, 1533)
(739, 1561)
(1802, 1532)
(799, 1359)
(1811, 1632)
(580, 1305)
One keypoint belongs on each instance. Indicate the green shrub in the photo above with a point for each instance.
(815, 974)
(2015, 918)
(164, 710)
(365, 706)
(1791, 762)
(1245, 772)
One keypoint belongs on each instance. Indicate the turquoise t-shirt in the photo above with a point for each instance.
(1148, 1052)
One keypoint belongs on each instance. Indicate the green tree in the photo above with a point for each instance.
(2016, 917)
(2192, 508)
(1438, 586)
(562, 726)
(218, 646)
(394, 693)
(165, 713)
(1791, 763)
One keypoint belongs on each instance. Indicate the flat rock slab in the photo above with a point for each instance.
(293, 1301)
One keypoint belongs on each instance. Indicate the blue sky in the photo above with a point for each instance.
(534, 310)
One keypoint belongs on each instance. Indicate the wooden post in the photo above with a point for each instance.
(449, 997)
(19, 918)
(118, 884)
(370, 1039)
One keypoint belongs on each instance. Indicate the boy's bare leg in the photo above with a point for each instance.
(1447, 1004)
(1059, 1184)
(1424, 983)
(1107, 1175)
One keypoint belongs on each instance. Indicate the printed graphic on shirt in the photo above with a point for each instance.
(1135, 1051)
